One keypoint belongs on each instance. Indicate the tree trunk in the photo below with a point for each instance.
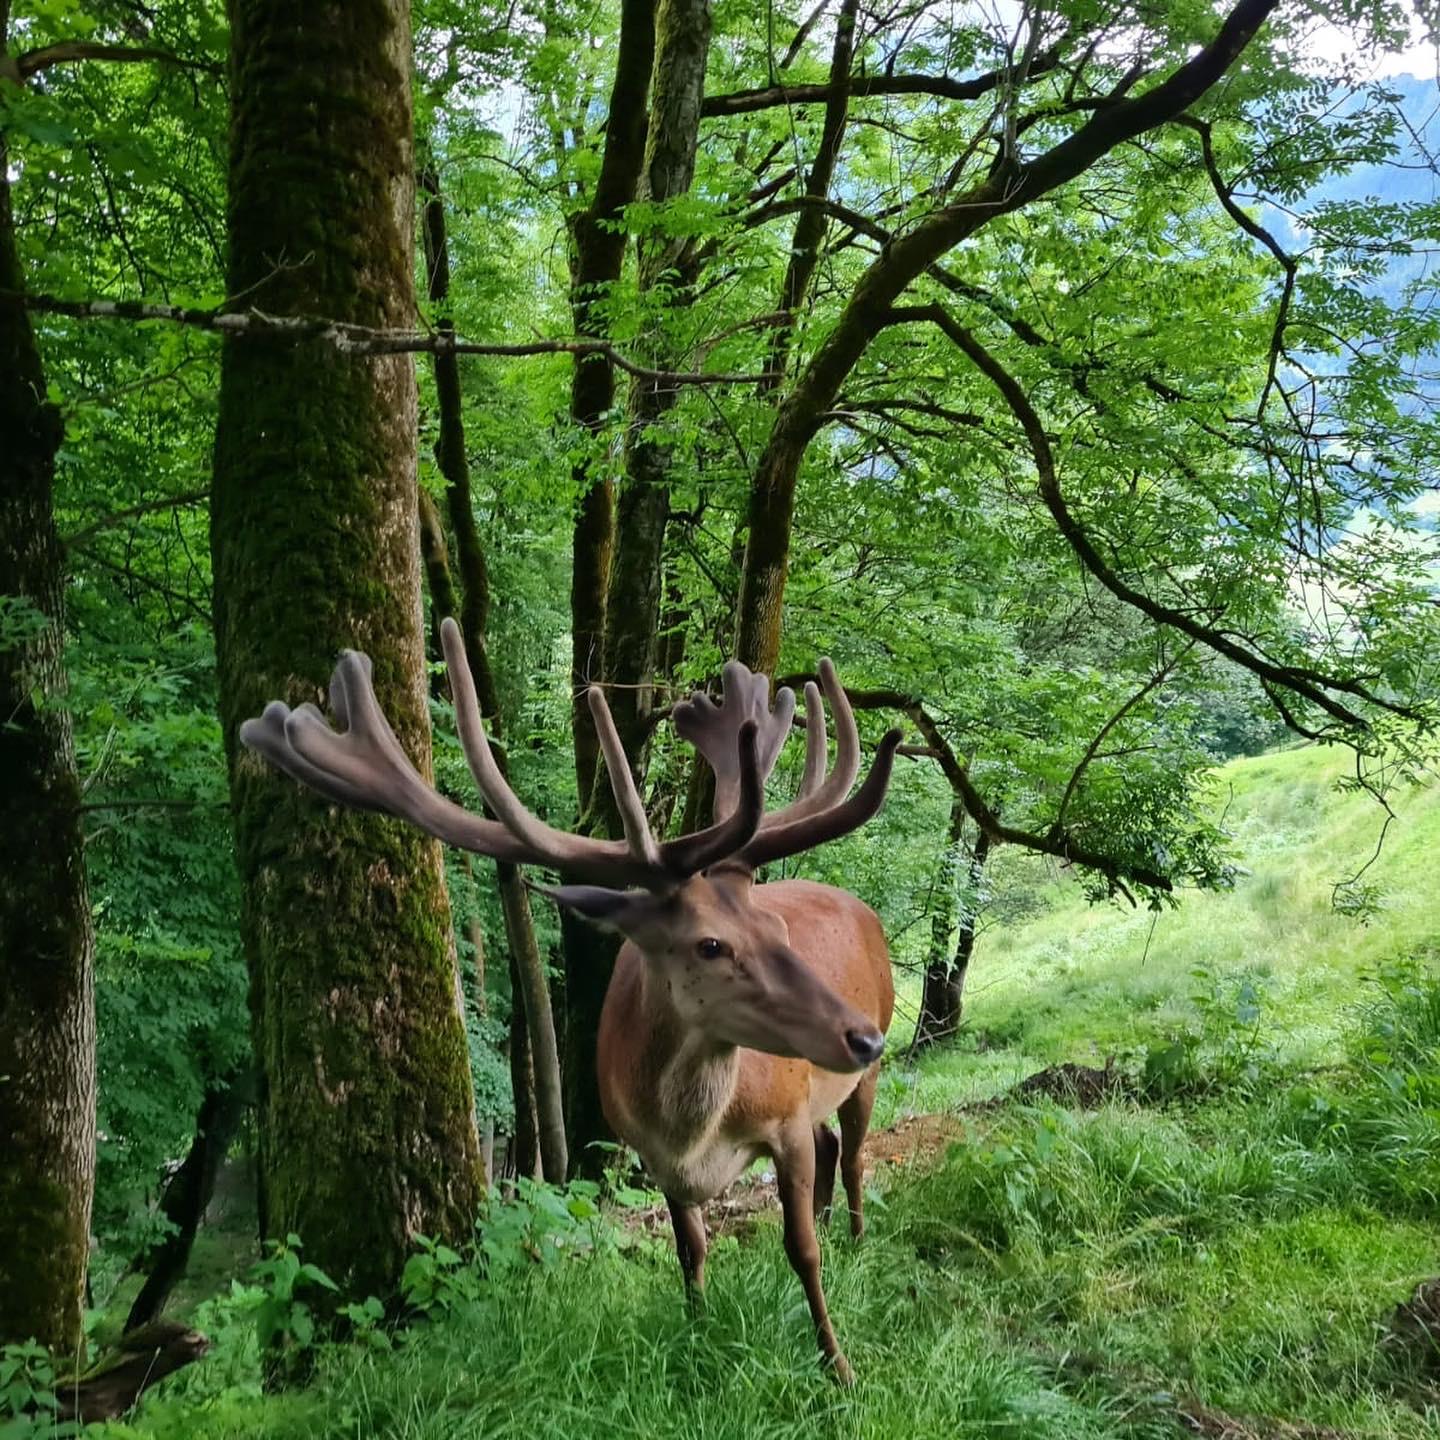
(187, 1196)
(632, 606)
(942, 1000)
(474, 619)
(366, 1111)
(812, 223)
(47, 999)
(525, 1142)
(598, 239)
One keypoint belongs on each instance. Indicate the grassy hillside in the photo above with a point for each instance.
(1083, 982)
(1222, 1260)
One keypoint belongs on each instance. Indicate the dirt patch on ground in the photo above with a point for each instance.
(1414, 1325)
(1412, 1339)
(1200, 1419)
(913, 1140)
(1081, 1085)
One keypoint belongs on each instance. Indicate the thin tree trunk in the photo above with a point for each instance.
(632, 607)
(811, 224)
(47, 1001)
(366, 1110)
(942, 1000)
(474, 618)
(525, 1147)
(188, 1194)
(442, 603)
(598, 239)
(632, 611)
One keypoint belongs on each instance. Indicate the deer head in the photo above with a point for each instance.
(686, 903)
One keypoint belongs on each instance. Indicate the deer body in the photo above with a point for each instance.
(739, 1017)
(699, 1111)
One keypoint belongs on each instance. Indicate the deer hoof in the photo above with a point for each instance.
(840, 1371)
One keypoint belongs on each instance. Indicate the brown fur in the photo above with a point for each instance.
(804, 965)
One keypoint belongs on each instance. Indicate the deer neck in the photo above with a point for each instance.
(689, 1078)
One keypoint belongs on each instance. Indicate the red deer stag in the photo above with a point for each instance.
(740, 1017)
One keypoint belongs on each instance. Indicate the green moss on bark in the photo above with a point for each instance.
(47, 1003)
(368, 1118)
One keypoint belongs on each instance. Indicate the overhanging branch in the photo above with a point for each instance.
(1309, 684)
(33, 62)
(359, 339)
(944, 87)
(1055, 841)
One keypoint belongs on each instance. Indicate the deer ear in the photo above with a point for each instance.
(613, 909)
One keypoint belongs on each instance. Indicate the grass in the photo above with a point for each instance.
(1082, 982)
(1055, 1272)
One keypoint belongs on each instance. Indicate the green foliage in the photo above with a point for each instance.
(28, 1402)
(1226, 1048)
(170, 977)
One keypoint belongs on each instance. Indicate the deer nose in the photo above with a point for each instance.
(865, 1045)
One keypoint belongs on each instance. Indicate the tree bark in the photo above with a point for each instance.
(810, 226)
(942, 999)
(632, 607)
(598, 241)
(525, 1142)
(47, 1001)
(366, 1111)
(187, 1196)
(474, 617)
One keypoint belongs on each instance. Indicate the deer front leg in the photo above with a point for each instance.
(854, 1123)
(827, 1156)
(690, 1247)
(795, 1176)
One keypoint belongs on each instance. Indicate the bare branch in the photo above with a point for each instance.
(945, 87)
(358, 339)
(145, 507)
(33, 62)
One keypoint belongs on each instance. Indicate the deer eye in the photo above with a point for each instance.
(711, 949)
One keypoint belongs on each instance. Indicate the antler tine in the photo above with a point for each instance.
(815, 794)
(622, 782)
(816, 752)
(266, 736)
(689, 854)
(776, 841)
(712, 729)
(365, 766)
(549, 846)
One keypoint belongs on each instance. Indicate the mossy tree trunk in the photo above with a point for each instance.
(598, 241)
(47, 1002)
(366, 1111)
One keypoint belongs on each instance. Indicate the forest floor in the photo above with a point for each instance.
(1227, 1234)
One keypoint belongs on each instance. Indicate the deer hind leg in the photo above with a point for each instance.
(827, 1155)
(690, 1247)
(795, 1175)
(854, 1123)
